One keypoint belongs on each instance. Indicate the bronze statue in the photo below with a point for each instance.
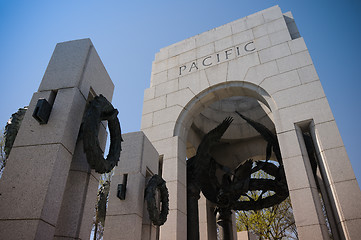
(225, 194)
(201, 170)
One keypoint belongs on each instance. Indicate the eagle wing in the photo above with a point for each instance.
(213, 136)
(272, 141)
(202, 165)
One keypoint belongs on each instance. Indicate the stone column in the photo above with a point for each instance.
(173, 150)
(78, 206)
(306, 204)
(207, 220)
(124, 218)
(34, 181)
(339, 178)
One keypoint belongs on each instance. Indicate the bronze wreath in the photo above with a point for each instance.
(11, 129)
(100, 109)
(157, 217)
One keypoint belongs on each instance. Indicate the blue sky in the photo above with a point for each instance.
(127, 34)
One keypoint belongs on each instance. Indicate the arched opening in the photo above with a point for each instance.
(240, 142)
(210, 107)
(204, 99)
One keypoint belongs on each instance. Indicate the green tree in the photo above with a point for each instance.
(276, 222)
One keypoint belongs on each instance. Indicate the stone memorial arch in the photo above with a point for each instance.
(260, 66)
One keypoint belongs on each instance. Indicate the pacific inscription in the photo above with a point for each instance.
(224, 55)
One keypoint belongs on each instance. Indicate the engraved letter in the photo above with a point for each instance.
(204, 61)
(228, 52)
(246, 47)
(181, 69)
(238, 51)
(194, 65)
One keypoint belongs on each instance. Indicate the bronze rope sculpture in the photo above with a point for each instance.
(279, 184)
(225, 194)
